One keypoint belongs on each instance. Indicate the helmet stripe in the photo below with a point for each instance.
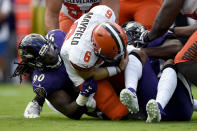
(114, 35)
(122, 41)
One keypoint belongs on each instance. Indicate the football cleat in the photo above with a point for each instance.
(128, 98)
(153, 111)
(195, 105)
(32, 110)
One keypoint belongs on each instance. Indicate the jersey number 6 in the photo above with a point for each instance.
(87, 56)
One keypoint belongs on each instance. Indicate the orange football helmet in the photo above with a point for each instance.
(109, 40)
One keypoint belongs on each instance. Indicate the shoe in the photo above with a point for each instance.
(153, 111)
(128, 98)
(33, 110)
(195, 105)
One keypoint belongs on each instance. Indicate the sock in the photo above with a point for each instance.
(161, 109)
(166, 86)
(133, 72)
(39, 99)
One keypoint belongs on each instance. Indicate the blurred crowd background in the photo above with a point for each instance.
(17, 19)
(21, 17)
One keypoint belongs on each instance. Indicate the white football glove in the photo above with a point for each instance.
(91, 103)
(32, 110)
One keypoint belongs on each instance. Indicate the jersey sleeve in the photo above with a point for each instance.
(105, 11)
(57, 36)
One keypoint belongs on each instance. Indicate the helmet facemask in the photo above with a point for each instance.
(39, 53)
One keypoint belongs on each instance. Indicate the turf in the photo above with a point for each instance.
(14, 98)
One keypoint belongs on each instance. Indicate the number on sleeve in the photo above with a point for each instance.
(108, 14)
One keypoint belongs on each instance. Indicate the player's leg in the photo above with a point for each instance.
(65, 22)
(186, 59)
(147, 87)
(146, 12)
(108, 102)
(180, 106)
(166, 87)
(188, 69)
(133, 73)
(127, 9)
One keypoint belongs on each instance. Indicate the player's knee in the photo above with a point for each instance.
(141, 55)
(169, 64)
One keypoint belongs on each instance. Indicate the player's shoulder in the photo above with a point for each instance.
(57, 36)
(56, 33)
(103, 10)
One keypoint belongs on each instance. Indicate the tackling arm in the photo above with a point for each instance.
(104, 72)
(53, 8)
(167, 50)
(165, 17)
(185, 31)
(63, 102)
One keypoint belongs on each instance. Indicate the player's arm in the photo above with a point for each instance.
(114, 5)
(53, 8)
(104, 72)
(63, 102)
(185, 31)
(167, 50)
(165, 17)
(66, 103)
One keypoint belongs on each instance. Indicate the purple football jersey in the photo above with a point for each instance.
(54, 79)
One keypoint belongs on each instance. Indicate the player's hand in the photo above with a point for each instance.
(32, 110)
(91, 103)
(124, 61)
(89, 87)
(136, 33)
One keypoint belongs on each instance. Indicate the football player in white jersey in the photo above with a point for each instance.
(93, 39)
(70, 10)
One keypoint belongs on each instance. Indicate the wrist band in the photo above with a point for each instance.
(113, 70)
(81, 100)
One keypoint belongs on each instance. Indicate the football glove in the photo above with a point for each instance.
(91, 103)
(32, 110)
(89, 87)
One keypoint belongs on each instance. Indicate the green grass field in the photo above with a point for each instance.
(14, 98)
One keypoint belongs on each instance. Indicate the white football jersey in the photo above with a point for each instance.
(190, 8)
(76, 8)
(78, 47)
